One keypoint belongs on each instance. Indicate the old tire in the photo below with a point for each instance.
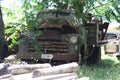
(95, 55)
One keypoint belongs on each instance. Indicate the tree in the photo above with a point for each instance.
(1, 25)
(17, 26)
(3, 44)
(108, 9)
(20, 17)
(28, 10)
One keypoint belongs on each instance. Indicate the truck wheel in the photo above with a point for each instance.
(81, 59)
(95, 55)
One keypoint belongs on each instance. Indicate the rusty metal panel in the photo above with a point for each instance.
(57, 28)
(92, 33)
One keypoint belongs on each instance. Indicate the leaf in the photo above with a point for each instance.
(107, 17)
(10, 30)
(113, 13)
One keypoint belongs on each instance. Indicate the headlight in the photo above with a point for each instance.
(73, 39)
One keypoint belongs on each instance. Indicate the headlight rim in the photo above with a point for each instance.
(73, 39)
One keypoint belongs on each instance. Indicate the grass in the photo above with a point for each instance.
(107, 69)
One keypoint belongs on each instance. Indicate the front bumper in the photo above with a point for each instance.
(57, 56)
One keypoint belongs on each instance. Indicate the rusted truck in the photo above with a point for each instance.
(65, 38)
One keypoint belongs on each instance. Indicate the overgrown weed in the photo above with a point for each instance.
(107, 69)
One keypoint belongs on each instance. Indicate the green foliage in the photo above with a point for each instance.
(37, 47)
(13, 23)
(21, 18)
(106, 69)
(108, 9)
(118, 28)
(30, 9)
(79, 8)
(56, 4)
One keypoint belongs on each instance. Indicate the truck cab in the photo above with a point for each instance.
(64, 38)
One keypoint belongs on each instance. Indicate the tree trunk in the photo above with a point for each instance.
(3, 69)
(1, 25)
(65, 68)
(84, 78)
(5, 77)
(3, 45)
(64, 76)
(21, 77)
(20, 69)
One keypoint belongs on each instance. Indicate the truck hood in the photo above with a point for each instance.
(55, 23)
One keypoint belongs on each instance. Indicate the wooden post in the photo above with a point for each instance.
(19, 69)
(3, 69)
(5, 77)
(22, 76)
(64, 76)
(65, 68)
